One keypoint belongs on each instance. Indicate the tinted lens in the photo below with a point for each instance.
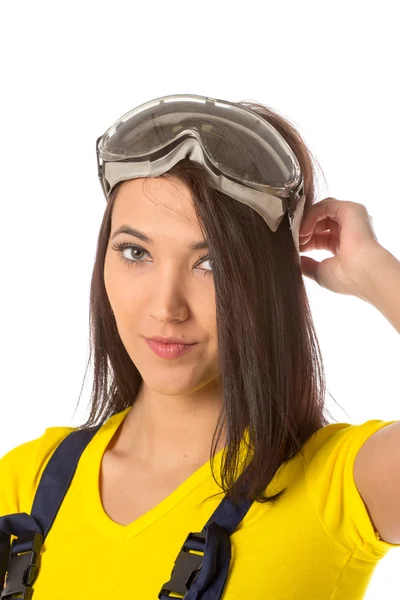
(238, 142)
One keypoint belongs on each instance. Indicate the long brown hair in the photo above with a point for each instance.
(272, 374)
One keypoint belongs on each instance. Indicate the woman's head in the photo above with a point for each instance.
(251, 315)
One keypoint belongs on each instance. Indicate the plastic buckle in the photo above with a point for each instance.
(22, 568)
(289, 208)
(187, 566)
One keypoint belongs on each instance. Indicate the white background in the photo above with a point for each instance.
(68, 70)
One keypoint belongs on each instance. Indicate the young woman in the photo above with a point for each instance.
(207, 467)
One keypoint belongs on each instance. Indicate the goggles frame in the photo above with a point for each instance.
(272, 202)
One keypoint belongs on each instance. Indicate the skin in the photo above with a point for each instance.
(171, 423)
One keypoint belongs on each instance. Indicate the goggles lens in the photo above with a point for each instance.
(234, 140)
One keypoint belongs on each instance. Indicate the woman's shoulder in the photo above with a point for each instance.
(30, 450)
(22, 466)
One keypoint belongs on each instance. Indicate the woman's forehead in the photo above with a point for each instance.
(157, 202)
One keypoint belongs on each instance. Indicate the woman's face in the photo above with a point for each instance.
(162, 286)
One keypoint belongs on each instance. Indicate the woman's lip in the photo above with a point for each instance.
(168, 350)
(167, 342)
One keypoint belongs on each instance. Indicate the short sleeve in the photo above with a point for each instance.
(330, 456)
(15, 468)
(22, 467)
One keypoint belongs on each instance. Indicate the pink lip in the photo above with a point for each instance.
(168, 350)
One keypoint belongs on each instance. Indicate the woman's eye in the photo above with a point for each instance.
(204, 259)
(126, 254)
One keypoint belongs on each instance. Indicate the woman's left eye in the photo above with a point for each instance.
(121, 246)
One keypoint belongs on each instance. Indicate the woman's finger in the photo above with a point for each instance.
(327, 208)
(326, 240)
(324, 225)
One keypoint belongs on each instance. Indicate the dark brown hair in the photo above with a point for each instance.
(272, 374)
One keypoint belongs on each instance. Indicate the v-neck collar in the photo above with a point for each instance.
(96, 516)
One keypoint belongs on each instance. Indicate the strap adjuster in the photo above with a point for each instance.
(22, 567)
(187, 566)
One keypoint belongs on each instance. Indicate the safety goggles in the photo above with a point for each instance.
(244, 155)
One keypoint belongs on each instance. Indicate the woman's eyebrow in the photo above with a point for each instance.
(201, 245)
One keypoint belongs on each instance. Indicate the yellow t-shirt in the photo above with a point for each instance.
(316, 543)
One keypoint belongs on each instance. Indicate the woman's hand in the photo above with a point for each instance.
(345, 229)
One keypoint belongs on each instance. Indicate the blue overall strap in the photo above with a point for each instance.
(198, 577)
(21, 558)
